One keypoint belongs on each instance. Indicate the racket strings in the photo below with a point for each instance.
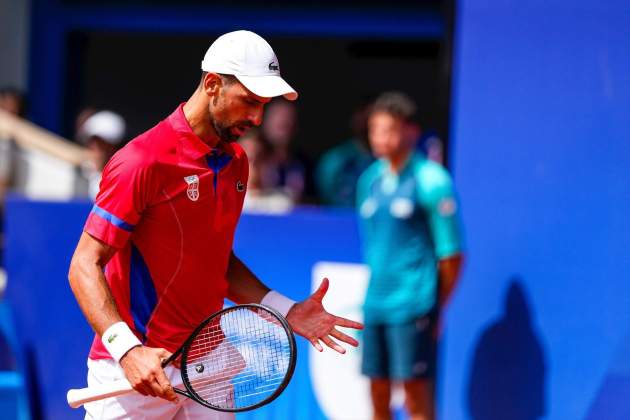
(239, 359)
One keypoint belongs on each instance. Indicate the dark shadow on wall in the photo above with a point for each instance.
(508, 372)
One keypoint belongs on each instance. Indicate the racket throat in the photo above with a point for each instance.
(181, 392)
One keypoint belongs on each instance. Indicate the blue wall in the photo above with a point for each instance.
(541, 156)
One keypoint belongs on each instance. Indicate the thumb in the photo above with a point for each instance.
(321, 290)
(163, 354)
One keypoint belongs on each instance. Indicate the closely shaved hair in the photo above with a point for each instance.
(396, 104)
(227, 79)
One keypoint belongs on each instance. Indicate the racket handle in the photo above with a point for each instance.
(78, 397)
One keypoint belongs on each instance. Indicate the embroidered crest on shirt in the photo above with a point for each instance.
(193, 187)
(401, 208)
(240, 187)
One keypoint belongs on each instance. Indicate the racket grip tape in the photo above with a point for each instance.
(78, 397)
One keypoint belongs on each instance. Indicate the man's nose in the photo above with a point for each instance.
(256, 117)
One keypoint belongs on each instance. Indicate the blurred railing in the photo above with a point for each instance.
(41, 164)
(31, 137)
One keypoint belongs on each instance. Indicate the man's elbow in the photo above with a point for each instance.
(453, 260)
(450, 267)
(458, 260)
(78, 266)
(73, 274)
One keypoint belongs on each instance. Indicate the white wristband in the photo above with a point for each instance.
(278, 302)
(118, 339)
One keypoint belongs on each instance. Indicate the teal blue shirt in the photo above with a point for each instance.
(408, 223)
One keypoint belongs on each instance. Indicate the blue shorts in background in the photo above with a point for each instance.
(400, 351)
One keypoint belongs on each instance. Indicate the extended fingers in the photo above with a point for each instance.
(333, 345)
(344, 337)
(315, 342)
(348, 323)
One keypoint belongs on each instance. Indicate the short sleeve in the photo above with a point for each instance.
(362, 189)
(438, 198)
(123, 195)
(365, 183)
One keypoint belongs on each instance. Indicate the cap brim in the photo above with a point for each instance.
(268, 86)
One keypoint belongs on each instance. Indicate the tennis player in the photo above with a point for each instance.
(411, 243)
(155, 257)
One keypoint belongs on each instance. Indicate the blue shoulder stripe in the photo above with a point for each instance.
(112, 219)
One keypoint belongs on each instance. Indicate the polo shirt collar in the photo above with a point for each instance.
(190, 144)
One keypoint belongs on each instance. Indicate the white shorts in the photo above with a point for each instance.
(139, 407)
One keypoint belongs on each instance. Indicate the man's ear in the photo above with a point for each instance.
(212, 84)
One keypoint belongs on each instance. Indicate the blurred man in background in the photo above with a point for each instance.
(339, 168)
(288, 172)
(102, 133)
(11, 101)
(411, 243)
(261, 195)
(79, 121)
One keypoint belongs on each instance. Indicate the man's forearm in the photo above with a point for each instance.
(448, 274)
(243, 285)
(89, 285)
(92, 292)
(93, 295)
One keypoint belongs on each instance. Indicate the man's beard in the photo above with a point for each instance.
(225, 131)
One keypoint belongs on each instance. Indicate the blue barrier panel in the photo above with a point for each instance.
(55, 336)
(541, 154)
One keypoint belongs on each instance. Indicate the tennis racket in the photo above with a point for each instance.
(238, 359)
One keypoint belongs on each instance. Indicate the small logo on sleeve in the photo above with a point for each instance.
(240, 187)
(447, 207)
(111, 338)
(193, 187)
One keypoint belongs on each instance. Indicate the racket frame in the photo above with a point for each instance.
(183, 350)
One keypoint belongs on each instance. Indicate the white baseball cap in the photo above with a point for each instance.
(251, 59)
(106, 125)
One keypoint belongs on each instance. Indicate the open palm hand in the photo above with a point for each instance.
(310, 320)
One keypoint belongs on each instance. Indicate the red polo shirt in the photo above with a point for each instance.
(170, 204)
